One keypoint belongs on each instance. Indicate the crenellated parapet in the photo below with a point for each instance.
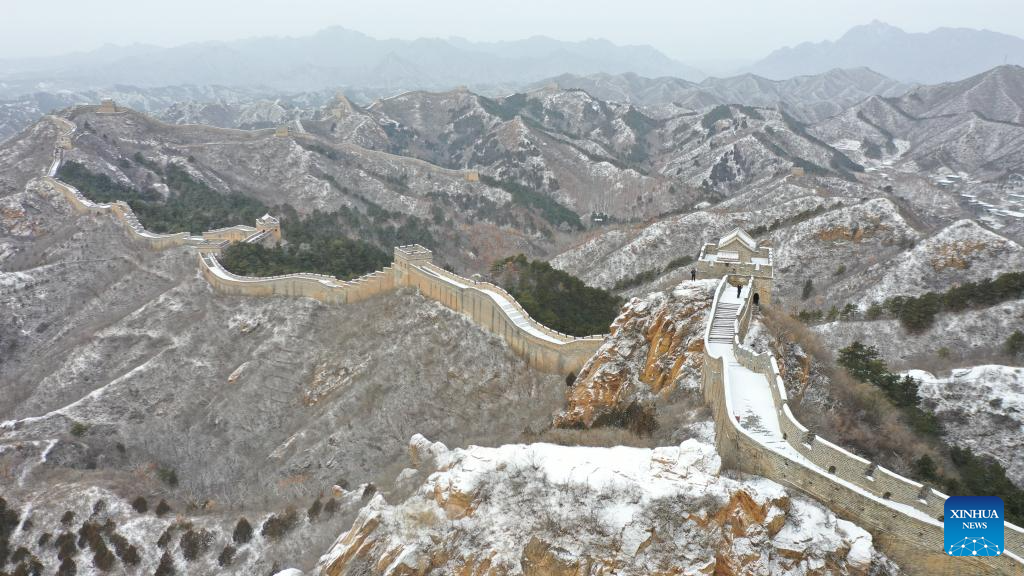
(904, 516)
(324, 288)
(487, 305)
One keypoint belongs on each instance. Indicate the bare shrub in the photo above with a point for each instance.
(639, 418)
(602, 437)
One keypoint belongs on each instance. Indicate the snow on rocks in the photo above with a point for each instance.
(965, 332)
(516, 508)
(981, 408)
(865, 234)
(961, 252)
(655, 345)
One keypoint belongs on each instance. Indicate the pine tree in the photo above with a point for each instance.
(243, 531)
(1015, 344)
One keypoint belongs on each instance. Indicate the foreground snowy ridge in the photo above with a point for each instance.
(508, 509)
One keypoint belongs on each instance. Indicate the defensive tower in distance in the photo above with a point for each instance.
(739, 256)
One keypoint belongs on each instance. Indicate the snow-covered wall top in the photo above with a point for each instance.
(758, 433)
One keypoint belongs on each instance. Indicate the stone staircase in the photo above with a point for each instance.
(722, 323)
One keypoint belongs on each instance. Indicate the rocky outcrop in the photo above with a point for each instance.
(656, 344)
(546, 510)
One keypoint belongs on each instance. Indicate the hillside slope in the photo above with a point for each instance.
(973, 125)
(980, 408)
(123, 370)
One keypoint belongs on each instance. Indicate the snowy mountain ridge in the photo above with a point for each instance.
(506, 510)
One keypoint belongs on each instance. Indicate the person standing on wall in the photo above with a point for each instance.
(693, 274)
(739, 289)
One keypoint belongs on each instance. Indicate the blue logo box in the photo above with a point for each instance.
(973, 526)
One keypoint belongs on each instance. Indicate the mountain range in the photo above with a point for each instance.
(135, 384)
(809, 98)
(941, 55)
(337, 57)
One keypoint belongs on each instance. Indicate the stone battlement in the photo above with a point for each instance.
(904, 516)
(486, 304)
(107, 106)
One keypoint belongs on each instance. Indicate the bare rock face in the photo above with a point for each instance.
(656, 344)
(547, 510)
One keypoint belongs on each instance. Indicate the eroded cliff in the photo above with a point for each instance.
(656, 345)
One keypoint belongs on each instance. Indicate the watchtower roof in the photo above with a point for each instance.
(743, 237)
(267, 219)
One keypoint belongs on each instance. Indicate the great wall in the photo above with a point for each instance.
(756, 431)
(488, 305)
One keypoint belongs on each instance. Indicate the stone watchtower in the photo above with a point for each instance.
(271, 224)
(407, 257)
(281, 131)
(107, 106)
(740, 257)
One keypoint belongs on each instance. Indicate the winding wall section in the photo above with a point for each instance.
(902, 515)
(488, 305)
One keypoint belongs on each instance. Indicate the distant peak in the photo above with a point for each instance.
(879, 25)
(875, 28)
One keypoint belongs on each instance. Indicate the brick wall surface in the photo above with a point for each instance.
(840, 480)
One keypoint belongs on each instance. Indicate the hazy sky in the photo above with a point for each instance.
(684, 29)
